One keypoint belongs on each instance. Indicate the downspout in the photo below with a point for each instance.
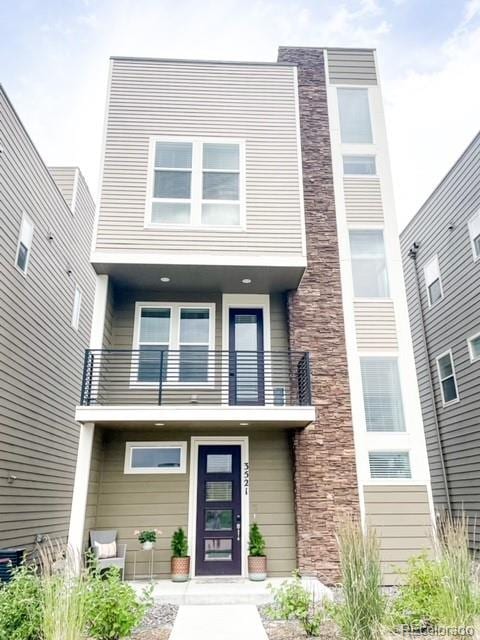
(413, 255)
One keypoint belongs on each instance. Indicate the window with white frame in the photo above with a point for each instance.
(155, 457)
(196, 183)
(389, 465)
(359, 166)
(474, 347)
(382, 395)
(175, 338)
(433, 281)
(369, 267)
(77, 305)
(448, 381)
(474, 231)
(24, 244)
(354, 113)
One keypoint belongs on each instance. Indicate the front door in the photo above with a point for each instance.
(219, 511)
(246, 357)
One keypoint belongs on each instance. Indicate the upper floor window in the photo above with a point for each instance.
(474, 231)
(196, 183)
(369, 268)
(433, 281)
(446, 374)
(474, 347)
(77, 305)
(359, 166)
(354, 112)
(382, 394)
(24, 244)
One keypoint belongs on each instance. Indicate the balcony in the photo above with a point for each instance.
(155, 383)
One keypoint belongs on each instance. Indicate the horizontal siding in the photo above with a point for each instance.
(441, 226)
(375, 324)
(363, 200)
(401, 518)
(251, 102)
(351, 66)
(65, 180)
(40, 354)
(127, 502)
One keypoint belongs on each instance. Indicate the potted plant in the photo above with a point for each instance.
(180, 561)
(257, 560)
(147, 538)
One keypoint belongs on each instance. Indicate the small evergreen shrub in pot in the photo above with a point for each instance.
(180, 561)
(257, 560)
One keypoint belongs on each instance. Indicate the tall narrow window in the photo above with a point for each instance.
(194, 341)
(369, 267)
(474, 347)
(474, 231)
(446, 374)
(354, 112)
(24, 244)
(153, 339)
(382, 394)
(77, 305)
(433, 281)
(389, 465)
(172, 185)
(221, 184)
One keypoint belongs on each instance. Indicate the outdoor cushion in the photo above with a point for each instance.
(107, 550)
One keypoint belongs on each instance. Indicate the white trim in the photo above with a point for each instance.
(473, 358)
(25, 236)
(76, 308)
(431, 273)
(299, 161)
(454, 375)
(75, 190)
(199, 259)
(80, 487)
(471, 221)
(195, 441)
(196, 198)
(158, 444)
(99, 311)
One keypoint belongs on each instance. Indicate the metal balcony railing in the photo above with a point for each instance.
(192, 375)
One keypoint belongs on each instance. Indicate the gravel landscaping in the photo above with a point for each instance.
(158, 623)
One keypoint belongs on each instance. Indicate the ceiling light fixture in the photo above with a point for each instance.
(244, 424)
(159, 424)
(246, 281)
(165, 279)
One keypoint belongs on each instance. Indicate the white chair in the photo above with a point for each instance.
(107, 537)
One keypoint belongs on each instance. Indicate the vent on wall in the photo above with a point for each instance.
(389, 464)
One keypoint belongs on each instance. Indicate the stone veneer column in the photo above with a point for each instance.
(324, 457)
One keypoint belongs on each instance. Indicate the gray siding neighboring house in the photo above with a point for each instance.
(41, 353)
(441, 228)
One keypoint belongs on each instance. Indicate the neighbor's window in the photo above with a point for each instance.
(369, 267)
(474, 231)
(354, 112)
(77, 304)
(155, 457)
(382, 395)
(24, 244)
(178, 335)
(446, 374)
(474, 347)
(196, 183)
(359, 166)
(389, 465)
(433, 281)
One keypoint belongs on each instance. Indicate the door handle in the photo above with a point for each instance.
(238, 532)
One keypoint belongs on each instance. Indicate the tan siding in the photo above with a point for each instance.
(363, 200)
(351, 66)
(375, 324)
(401, 517)
(255, 103)
(127, 502)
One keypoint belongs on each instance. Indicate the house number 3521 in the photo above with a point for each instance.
(246, 474)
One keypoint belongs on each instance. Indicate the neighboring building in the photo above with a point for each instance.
(441, 259)
(248, 279)
(46, 298)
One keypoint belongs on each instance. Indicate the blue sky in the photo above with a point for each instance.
(54, 59)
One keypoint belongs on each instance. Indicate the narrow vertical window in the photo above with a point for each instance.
(382, 394)
(24, 244)
(433, 281)
(77, 304)
(194, 342)
(474, 231)
(221, 184)
(354, 112)
(369, 267)
(153, 339)
(172, 184)
(448, 381)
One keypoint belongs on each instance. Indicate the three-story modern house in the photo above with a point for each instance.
(250, 354)
(441, 252)
(47, 287)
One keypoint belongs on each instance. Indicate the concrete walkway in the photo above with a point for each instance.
(218, 622)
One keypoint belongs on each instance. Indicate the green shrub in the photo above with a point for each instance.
(21, 606)
(256, 543)
(362, 614)
(112, 608)
(179, 544)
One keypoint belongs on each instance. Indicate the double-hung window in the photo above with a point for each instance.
(433, 281)
(196, 183)
(382, 395)
(369, 268)
(474, 231)
(172, 343)
(24, 244)
(448, 381)
(354, 113)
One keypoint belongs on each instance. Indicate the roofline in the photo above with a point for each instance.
(192, 61)
(289, 46)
